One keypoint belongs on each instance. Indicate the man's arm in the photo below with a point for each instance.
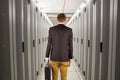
(71, 45)
(49, 45)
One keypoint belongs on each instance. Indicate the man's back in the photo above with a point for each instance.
(59, 48)
(60, 43)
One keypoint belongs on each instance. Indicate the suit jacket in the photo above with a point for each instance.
(60, 43)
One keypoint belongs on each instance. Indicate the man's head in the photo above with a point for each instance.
(61, 17)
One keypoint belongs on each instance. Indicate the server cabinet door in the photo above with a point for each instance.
(19, 40)
(27, 41)
(44, 34)
(104, 39)
(79, 43)
(96, 40)
(90, 28)
(39, 40)
(7, 40)
(117, 65)
(32, 24)
(42, 38)
(113, 68)
(85, 40)
(36, 41)
(41, 46)
(75, 38)
(82, 46)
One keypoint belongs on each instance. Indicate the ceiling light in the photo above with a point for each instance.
(88, 0)
(82, 5)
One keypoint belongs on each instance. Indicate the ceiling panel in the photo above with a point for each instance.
(53, 7)
(56, 6)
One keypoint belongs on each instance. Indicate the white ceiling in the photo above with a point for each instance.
(57, 6)
(53, 7)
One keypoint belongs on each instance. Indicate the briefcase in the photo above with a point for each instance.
(47, 72)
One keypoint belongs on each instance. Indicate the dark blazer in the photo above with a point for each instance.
(60, 43)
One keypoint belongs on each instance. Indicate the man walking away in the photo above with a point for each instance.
(60, 48)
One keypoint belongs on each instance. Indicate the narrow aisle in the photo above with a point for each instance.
(72, 73)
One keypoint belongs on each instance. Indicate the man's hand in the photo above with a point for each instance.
(46, 60)
(70, 62)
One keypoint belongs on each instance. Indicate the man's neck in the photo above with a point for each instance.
(61, 23)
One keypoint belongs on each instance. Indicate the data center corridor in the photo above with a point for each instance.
(24, 26)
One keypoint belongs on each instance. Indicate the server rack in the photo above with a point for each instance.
(98, 31)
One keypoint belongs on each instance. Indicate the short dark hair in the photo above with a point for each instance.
(61, 17)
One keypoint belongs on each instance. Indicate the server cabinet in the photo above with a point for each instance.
(27, 41)
(8, 62)
(77, 45)
(42, 36)
(39, 42)
(90, 32)
(85, 40)
(96, 40)
(117, 64)
(82, 40)
(78, 28)
(19, 40)
(41, 47)
(79, 37)
(113, 67)
(74, 47)
(104, 40)
(32, 39)
(76, 37)
(42, 30)
(36, 41)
